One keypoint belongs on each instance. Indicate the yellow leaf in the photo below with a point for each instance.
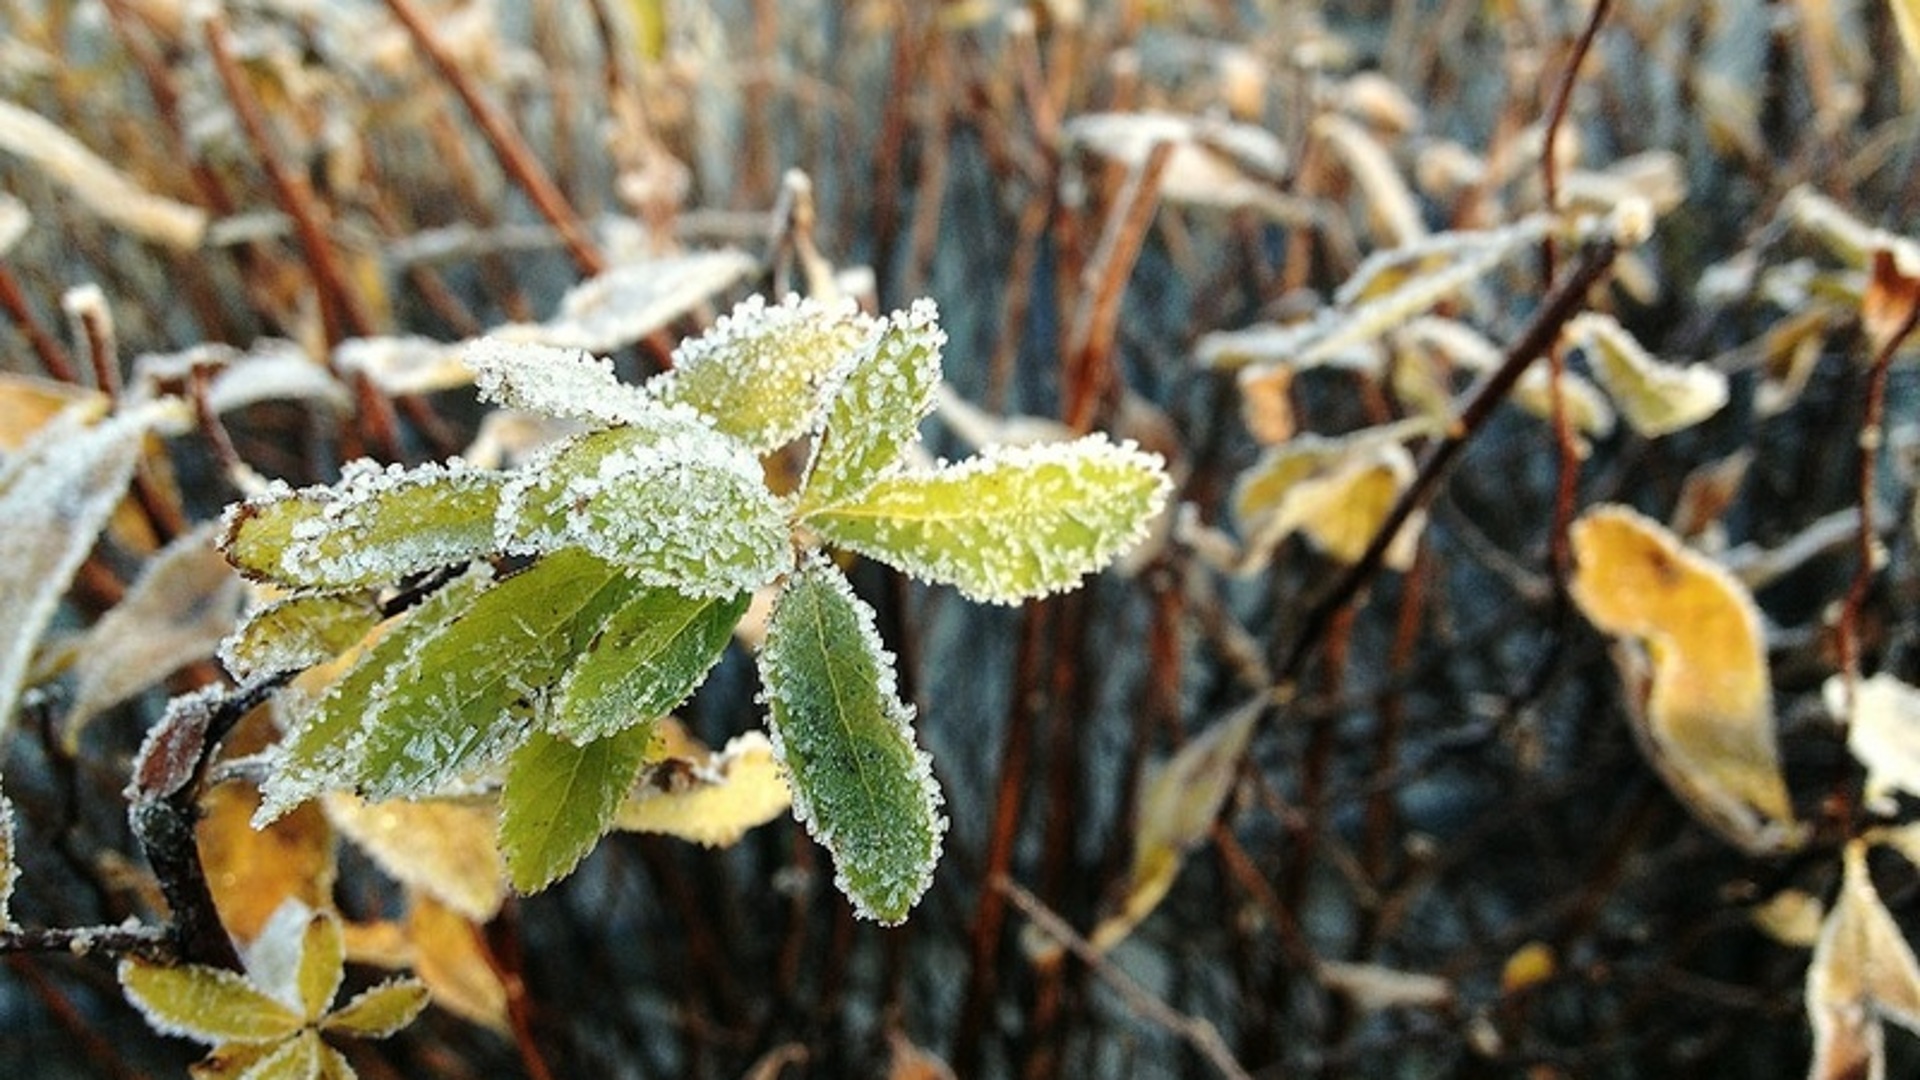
(1706, 719)
(1791, 917)
(1179, 801)
(28, 402)
(710, 799)
(379, 1011)
(323, 958)
(252, 871)
(1863, 972)
(1529, 966)
(1892, 294)
(208, 1005)
(1906, 16)
(450, 959)
(1335, 492)
(440, 846)
(1655, 398)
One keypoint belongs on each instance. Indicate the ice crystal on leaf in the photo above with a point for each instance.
(860, 785)
(297, 632)
(375, 525)
(761, 372)
(1010, 524)
(558, 382)
(879, 398)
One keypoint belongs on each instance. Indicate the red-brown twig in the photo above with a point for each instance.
(1104, 282)
(1867, 543)
(1556, 116)
(508, 146)
(53, 356)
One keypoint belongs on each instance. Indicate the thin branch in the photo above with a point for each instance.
(1556, 116)
(1534, 341)
(53, 356)
(1197, 1033)
(1104, 282)
(509, 147)
(154, 943)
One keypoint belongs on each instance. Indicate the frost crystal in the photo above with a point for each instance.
(878, 398)
(761, 372)
(559, 382)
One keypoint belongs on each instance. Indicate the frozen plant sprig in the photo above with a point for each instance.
(648, 533)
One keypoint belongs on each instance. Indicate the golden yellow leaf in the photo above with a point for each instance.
(1655, 398)
(1863, 973)
(251, 872)
(1705, 719)
(1179, 801)
(27, 402)
(708, 798)
(1906, 16)
(443, 847)
(1791, 917)
(1335, 492)
(451, 958)
(1529, 966)
(1883, 732)
(1266, 405)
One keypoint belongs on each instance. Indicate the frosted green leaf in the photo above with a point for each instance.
(184, 601)
(56, 494)
(1010, 524)
(379, 1011)
(646, 659)
(845, 739)
(9, 868)
(558, 382)
(298, 632)
(676, 505)
(314, 756)
(878, 400)
(375, 525)
(561, 798)
(466, 694)
(205, 1004)
(761, 372)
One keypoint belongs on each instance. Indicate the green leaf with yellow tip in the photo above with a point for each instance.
(860, 785)
(644, 660)
(372, 527)
(561, 798)
(1011, 524)
(761, 372)
(469, 692)
(315, 755)
(209, 1005)
(879, 398)
(297, 632)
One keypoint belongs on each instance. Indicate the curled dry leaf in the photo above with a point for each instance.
(1883, 732)
(1705, 717)
(1863, 973)
(1374, 988)
(1179, 801)
(184, 602)
(1336, 492)
(709, 798)
(1655, 398)
(1213, 163)
(99, 186)
(627, 303)
(1891, 300)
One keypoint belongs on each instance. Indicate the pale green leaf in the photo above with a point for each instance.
(1010, 524)
(878, 400)
(761, 372)
(675, 504)
(558, 382)
(298, 632)
(56, 494)
(379, 1011)
(646, 659)
(209, 1005)
(860, 785)
(560, 799)
(1655, 398)
(468, 693)
(376, 525)
(314, 756)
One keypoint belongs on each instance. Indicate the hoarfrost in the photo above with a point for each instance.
(877, 399)
(9, 868)
(56, 494)
(556, 381)
(629, 302)
(404, 365)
